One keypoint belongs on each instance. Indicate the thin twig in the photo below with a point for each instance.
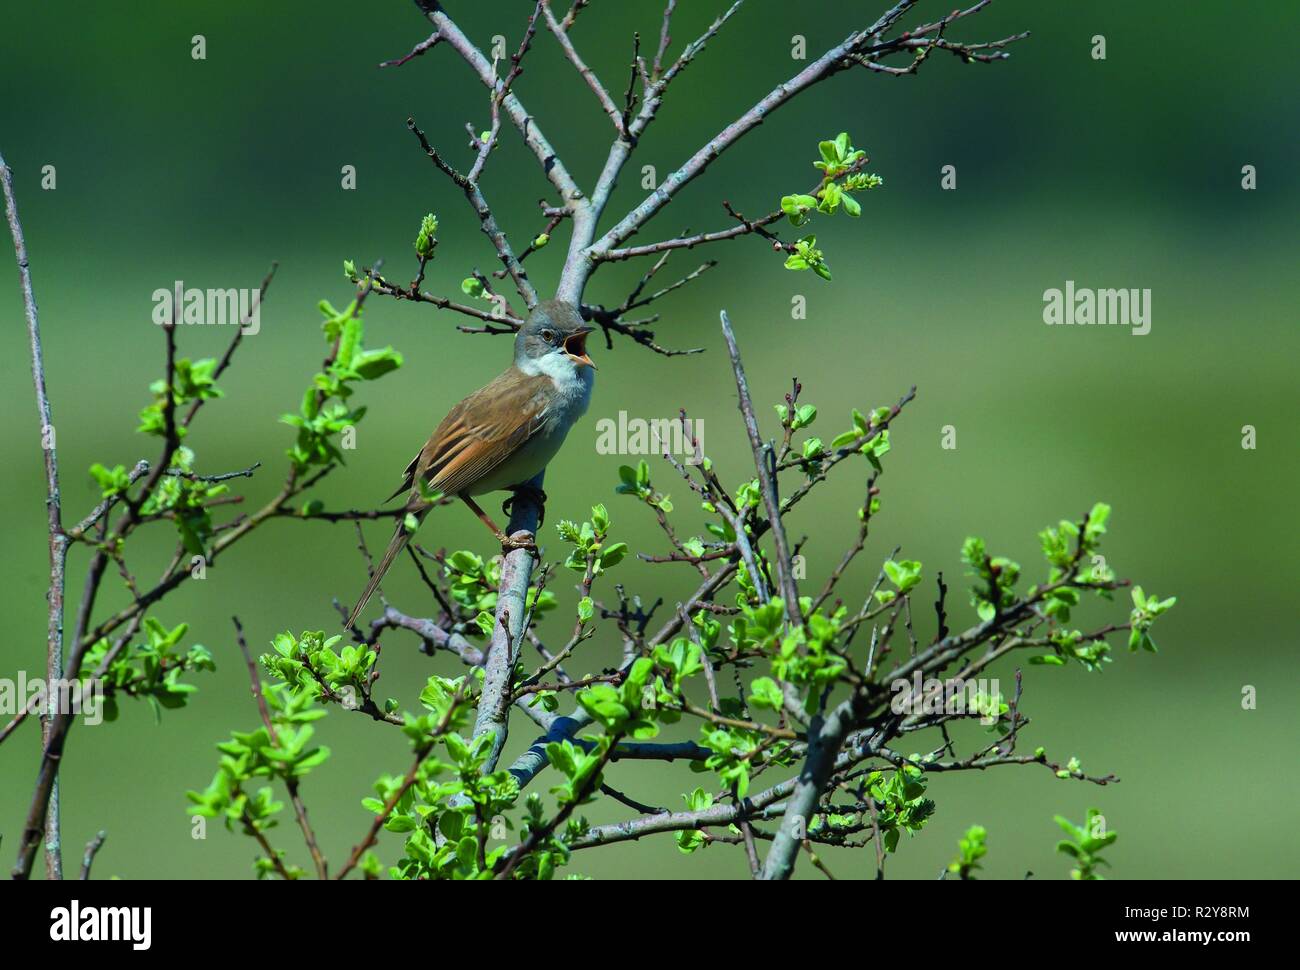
(92, 849)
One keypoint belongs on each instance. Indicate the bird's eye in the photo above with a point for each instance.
(548, 336)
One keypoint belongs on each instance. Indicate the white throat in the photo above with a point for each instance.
(571, 381)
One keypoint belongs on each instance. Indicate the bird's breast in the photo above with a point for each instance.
(569, 404)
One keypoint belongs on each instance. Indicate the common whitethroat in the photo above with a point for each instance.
(504, 434)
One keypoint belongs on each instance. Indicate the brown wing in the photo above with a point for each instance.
(478, 434)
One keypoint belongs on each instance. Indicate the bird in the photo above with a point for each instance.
(504, 434)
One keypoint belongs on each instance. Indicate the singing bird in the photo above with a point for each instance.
(504, 434)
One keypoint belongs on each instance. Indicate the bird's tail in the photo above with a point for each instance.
(400, 538)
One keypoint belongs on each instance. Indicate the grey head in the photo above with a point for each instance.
(553, 328)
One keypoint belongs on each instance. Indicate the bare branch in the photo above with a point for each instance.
(487, 221)
(664, 40)
(384, 288)
(765, 465)
(825, 738)
(235, 340)
(92, 850)
(223, 477)
(607, 104)
(581, 260)
(485, 145)
(46, 795)
(551, 164)
(512, 617)
(863, 42)
(416, 51)
(572, 15)
(746, 227)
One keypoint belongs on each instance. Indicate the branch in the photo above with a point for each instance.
(416, 51)
(485, 145)
(511, 622)
(529, 764)
(423, 750)
(384, 288)
(920, 44)
(834, 60)
(765, 465)
(234, 342)
(224, 477)
(684, 59)
(553, 219)
(603, 96)
(664, 40)
(825, 738)
(746, 227)
(762, 805)
(579, 263)
(572, 15)
(92, 850)
(608, 320)
(540, 834)
(431, 633)
(99, 511)
(551, 164)
(46, 795)
(487, 221)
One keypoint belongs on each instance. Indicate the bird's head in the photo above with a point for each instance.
(553, 330)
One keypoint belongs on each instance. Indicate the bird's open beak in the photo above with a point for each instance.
(575, 345)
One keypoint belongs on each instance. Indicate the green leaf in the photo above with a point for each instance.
(765, 693)
(426, 238)
(905, 575)
(796, 205)
(373, 364)
(613, 555)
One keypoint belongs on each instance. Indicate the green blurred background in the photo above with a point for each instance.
(1117, 173)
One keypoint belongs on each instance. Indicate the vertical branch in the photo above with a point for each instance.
(765, 468)
(825, 739)
(511, 615)
(826, 732)
(58, 542)
(45, 792)
(665, 38)
(607, 104)
(486, 145)
(92, 850)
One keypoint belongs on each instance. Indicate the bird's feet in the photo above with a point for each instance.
(536, 494)
(527, 541)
